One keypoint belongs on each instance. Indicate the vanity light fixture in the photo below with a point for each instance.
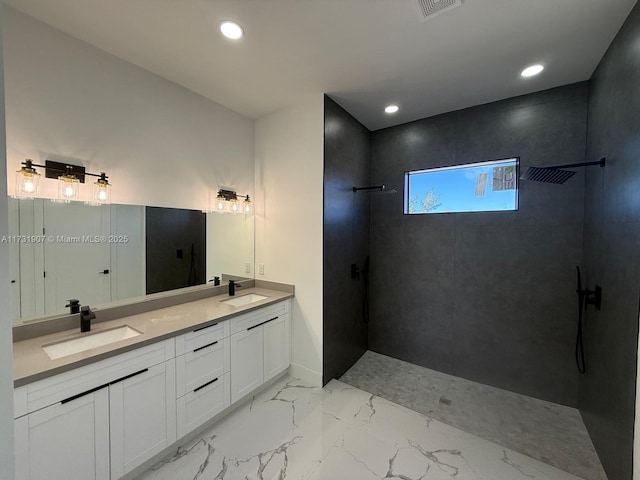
(102, 190)
(68, 186)
(69, 179)
(27, 180)
(220, 202)
(233, 205)
(227, 202)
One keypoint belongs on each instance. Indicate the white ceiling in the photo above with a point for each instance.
(363, 53)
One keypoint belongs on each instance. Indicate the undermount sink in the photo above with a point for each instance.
(89, 341)
(244, 299)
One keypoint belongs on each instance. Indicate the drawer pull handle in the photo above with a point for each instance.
(260, 324)
(129, 376)
(205, 385)
(88, 392)
(206, 346)
(202, 328)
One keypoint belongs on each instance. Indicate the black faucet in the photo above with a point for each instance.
(232, 287)
(215, 280)
(86, 315)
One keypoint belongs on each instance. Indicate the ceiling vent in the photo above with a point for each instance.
(428, 9)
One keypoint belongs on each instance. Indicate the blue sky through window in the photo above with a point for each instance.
(476, 187)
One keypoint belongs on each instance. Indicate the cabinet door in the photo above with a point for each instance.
(65, 440)
(143, 416)
(277, 346)
(246, 362)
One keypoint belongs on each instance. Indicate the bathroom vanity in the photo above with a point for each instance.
(103, 411)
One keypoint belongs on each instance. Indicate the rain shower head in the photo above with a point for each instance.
(375, 189)
(555, 174)
(547, 175)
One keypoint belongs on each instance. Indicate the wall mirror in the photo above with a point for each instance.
(109, 254)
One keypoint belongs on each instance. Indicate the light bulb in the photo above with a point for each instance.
(68, 191)
(27, 180)
(102, 195)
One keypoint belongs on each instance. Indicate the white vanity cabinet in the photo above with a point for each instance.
(277, 346)
(142, 416)
(247, 359)
(97, 421)
(102, 420)
(202, 379)
(72, 434)
(260, 347)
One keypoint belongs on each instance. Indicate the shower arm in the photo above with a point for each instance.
(600, 162)
(376, 187)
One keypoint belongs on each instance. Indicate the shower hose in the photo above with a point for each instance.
(582, 368)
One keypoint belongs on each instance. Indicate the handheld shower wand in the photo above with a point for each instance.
(585, 297)
(580, 363)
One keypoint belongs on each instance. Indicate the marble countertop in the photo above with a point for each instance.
(31, 363)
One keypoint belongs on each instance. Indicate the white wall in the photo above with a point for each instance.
(289, 188)
(160, 144)
(6, 358)
(231, 256)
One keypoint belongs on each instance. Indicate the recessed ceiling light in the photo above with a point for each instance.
(391, 109)
(231, 30)
(532, 71)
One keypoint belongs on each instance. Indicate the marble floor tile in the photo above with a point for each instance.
(549, 432)
(297, 432)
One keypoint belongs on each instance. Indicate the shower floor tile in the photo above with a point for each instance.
(551, 433)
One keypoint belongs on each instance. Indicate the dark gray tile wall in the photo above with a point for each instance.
(485, 296)
(347, 152)
(612, 251)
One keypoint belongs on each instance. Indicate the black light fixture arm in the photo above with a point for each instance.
(28, 163)
(101, 175)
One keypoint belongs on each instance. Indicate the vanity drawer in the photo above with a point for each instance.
(252, 319)
(201, 337)
(197, 367)
(63, 386)
(201, 405)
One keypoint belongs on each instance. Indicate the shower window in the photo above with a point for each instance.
(473, 187)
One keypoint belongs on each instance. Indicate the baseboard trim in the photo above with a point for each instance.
(306, 374)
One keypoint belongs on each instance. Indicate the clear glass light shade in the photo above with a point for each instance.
(220, 204)
(233, 205)
(27, 183)
(246, 205)
(101, 192)
(68, 188)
